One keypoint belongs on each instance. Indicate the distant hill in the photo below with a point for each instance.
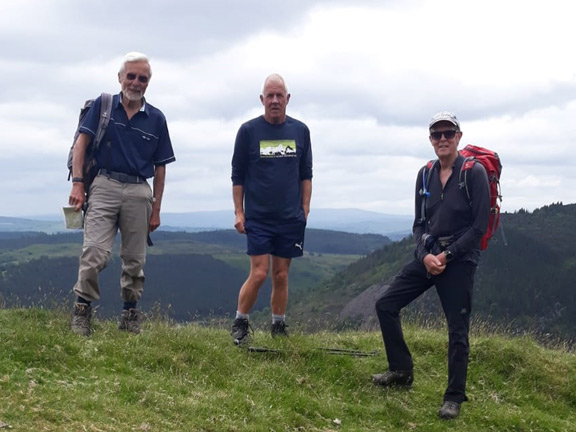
(348, 220)
(525, 280)
(13, 224)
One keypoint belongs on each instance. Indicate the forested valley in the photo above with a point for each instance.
(525, 281)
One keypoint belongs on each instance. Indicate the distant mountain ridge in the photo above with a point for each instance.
(356, 221)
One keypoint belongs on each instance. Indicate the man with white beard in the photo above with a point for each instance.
(136, 147)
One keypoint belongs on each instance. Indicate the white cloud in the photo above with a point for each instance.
(365, 76)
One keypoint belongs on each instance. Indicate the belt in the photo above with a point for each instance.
(121, 177)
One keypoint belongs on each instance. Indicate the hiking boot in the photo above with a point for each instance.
(394, 378)
(279, 329)
(81, 319)
(130, 320)
(240, 331)
(449, 410)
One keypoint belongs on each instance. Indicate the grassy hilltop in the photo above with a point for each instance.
(191, 378)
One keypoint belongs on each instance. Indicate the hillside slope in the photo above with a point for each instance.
(525, 279)
(192, 378)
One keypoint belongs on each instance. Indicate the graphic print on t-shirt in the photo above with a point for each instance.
(277, 148)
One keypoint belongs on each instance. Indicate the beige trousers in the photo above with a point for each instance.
(115, 206)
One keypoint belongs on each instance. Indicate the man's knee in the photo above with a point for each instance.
(133, 265)
(94, 257)
(385, 302)
(258, 275)
(280, 278)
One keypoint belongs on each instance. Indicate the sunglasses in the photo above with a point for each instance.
(141, 78)
(449, 134)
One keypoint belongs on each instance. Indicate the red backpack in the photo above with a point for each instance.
(491, 162)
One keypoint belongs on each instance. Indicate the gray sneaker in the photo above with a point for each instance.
(130, 320)
(81, 319)
(240, 331)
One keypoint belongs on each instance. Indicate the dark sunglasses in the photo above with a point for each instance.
(141, 78)
(449, 134)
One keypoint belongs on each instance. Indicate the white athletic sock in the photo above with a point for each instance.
(277, 318)
(241, 315)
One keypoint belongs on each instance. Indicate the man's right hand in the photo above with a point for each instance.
(239, 223)
(434, 264)
(77, 196)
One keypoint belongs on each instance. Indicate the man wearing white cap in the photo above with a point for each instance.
(447, 229)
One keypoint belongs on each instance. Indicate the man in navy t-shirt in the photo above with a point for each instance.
(136, 147)
(272, 186)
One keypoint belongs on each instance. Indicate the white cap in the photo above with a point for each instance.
(444, 116)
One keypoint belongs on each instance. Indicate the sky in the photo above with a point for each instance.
(365, 76)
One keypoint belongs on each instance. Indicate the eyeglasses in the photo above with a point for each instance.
(132, 76)
(449, 134)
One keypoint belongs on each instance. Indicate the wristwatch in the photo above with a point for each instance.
(448, 255)
(77, 179)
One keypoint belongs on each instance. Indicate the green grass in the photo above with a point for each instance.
(16, 256)
(192, 378)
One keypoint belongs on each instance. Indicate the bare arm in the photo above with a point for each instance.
(238, 197)
(78, 194)
(158, 192)
(306, 196)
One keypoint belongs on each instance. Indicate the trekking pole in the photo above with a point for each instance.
(350, 352)
(333, 351)
(263, 350)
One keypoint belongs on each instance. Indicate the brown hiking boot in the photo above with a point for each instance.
(130, 320)
(394, 378)
(81, 319)
(449, 410)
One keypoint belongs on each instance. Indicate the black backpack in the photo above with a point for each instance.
(90, 168)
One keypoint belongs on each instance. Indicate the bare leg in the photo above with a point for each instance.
(279, 298)
(259, 265)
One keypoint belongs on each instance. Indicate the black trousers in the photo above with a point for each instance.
(454, 287)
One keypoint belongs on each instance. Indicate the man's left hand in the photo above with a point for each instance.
(154, 221)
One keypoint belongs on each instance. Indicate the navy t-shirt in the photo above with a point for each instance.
(132, 146)
(271, 161)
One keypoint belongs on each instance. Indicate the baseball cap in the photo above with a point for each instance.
(444, 116)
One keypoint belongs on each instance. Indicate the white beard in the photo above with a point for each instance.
(133, 96)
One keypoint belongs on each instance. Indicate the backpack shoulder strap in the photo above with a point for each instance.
(466, 166)
(424, 193)
(105, 112)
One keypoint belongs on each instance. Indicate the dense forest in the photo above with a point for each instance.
(188, 275)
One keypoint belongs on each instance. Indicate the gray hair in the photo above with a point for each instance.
(134, 57)
(274, 78)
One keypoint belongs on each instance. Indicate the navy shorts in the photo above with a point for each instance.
(284, 239)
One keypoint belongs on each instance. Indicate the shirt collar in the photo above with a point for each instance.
(142, 108)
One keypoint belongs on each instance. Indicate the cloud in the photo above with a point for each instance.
(365, 76)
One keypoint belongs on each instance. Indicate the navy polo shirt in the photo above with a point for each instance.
(132, 146)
